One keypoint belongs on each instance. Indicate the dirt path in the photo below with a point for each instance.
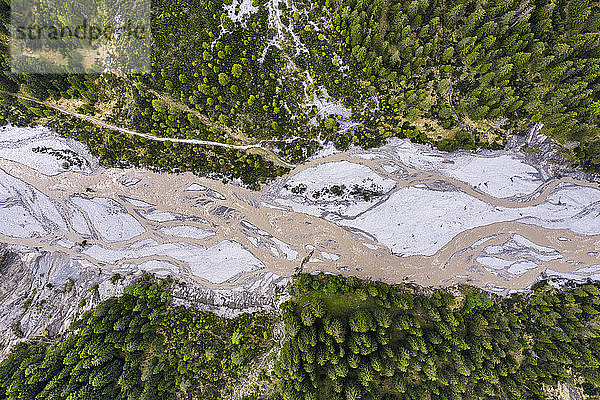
(269, 154)
(203, 118)
(383, 21)
(461, 124)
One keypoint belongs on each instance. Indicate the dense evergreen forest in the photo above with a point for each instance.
(351, 339)
(454, 73)
(344, 339)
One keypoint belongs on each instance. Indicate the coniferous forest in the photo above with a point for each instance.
(344, 339)
(138, 346)
(265, 91)
(453, 73)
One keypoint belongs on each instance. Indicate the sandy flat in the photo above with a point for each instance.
(487, 219)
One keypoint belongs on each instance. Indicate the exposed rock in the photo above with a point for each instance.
(547, 154)
(564, 392)
(42, 293)
(256, 294)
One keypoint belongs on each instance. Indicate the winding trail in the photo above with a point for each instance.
(460, 123)
(272, 156)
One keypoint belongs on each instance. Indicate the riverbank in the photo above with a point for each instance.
(402, 212)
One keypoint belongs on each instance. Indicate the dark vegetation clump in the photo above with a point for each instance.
(345, 338)
(138, 346)
(352, 339)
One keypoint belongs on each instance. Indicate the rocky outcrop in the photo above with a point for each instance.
(42, 293)
(543, 151)
(256, 294)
